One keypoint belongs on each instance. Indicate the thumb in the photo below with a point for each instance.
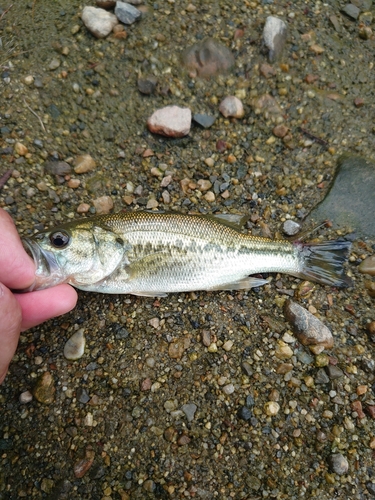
(10, 325)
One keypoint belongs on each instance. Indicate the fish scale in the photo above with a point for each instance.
(153, 253)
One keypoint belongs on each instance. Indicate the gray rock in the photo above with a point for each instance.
(274, 37)
(321, 377)
(205, 121)
(82, 395)
(371, 487)
(208, 58)
(308, 329)
(338, 463)
(147, 85)
(290, 227)
(189, 409)
(57, 168)
(350, 202)
(334, 372)
(98, 21)
(351, 11)
(244, 413)
(126, 13)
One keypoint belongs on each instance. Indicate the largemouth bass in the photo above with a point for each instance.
(153, 253)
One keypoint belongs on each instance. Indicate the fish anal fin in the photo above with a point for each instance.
(242, 284)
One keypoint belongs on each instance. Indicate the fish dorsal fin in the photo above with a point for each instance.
(234, 221)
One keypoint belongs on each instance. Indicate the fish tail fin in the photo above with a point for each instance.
(324, 262)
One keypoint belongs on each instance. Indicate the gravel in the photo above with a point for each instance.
(271, 416)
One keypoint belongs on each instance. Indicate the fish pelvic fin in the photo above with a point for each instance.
(324, 262)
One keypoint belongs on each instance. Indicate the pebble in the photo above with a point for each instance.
(171, 121)
(228, 389)
(244, 413)
(82, 466)
(83, 208)
(367, 266)
(208, 58)
(280, 130)
(54, 64)
(227, 346)
(25, 397)
(283, 351)
(271, 408)
(209, 196)
(338, 463)
(321, 377)
(206, 338)
(204, 120)
(231, 106)
(20, 149)
(75, 347)
(29, 80)
(154, 322)
(103, 205)
(274, 37)
(44, 390)
(98, 21)
(334, 372)
(308, 329)
(267, 71)
(189, 409)
(267, 105)
(57, 168)
(204, 185)
(84, 163)
(176, 349)
(290, 227)
(147, 85)
(351, 10)
(127, 13)
(106, 4)
(82, 396)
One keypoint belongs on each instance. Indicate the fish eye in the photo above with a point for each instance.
(59, 239)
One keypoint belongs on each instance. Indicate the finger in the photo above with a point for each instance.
(11, 317)
(39, 306)
(16, 267)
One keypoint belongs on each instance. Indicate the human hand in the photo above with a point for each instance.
(19, 312)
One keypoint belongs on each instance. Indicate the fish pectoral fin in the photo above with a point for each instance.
(242, 284)
(149, 294)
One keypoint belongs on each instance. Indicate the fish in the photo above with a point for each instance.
(151, 254)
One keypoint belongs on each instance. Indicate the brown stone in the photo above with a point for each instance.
(44, 390)
(308, 329)
(357, 407)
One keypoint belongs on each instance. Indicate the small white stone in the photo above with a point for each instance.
(272, 408)
(25, 397)
(89, 420)
(29, 79)
(75, 346)
(274, 36)
(227, 346)
(231, 106)
(228, 389)
(171, 121)
(98, 21)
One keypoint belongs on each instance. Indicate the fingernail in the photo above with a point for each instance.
(1, 290)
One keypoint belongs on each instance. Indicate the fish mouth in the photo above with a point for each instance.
(47, 270)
